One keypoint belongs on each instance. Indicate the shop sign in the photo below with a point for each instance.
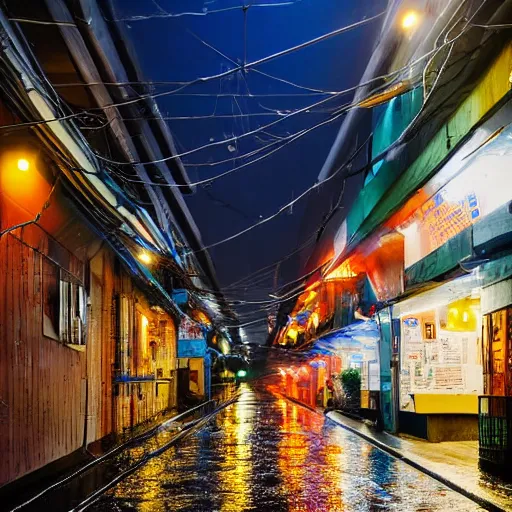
(191, 348)
(468, 197)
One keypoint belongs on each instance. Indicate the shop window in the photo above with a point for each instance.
(153, 349)
(141, 345)
(440, 352)
(64, 306)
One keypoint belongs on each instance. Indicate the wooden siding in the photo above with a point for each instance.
(52, 396)
(41, 383)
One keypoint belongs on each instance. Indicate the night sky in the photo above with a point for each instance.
(181, 48)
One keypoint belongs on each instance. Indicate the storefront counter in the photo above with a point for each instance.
(440, 418)
(426, 403)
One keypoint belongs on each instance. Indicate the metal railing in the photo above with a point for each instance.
(495, 430)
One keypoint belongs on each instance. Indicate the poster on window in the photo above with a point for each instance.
(451, 350)
(190, 330)
(446, 363)
(448, 378)
(412, 340)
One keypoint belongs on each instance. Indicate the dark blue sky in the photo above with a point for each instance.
(169, 48)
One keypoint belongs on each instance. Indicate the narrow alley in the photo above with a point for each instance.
(264, 452)
(255, 255)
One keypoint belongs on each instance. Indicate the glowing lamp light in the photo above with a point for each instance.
(292, 333)
(410, 20)
(241, 373)
(145, 257)
(23, 165)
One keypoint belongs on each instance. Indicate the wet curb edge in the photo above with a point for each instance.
(483, 502)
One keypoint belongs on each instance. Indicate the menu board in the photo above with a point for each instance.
(448, 377)
(450, 350)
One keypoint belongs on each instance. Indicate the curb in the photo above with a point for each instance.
(483, 502)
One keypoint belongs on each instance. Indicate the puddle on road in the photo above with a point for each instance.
(265, 453)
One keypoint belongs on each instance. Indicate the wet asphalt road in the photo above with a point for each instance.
(266, 453)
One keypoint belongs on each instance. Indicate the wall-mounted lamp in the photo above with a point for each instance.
(23, 164)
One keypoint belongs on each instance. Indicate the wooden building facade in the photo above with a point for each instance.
(84, 352)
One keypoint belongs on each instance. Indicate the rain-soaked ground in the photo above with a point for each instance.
(266, 453)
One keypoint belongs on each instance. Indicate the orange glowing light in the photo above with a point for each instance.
(23, 165)
(292, 333)
(344, 271)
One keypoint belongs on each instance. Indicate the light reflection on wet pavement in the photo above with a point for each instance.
(266, 453)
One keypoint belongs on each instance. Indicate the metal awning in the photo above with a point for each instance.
(356, 337)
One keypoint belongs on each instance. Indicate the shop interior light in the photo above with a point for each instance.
(410, 20)
(23, 164)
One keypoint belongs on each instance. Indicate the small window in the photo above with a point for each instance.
(64, 306)
(72, 313)
(51, 299)
(153, 348)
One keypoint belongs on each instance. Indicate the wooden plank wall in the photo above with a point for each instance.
(43, 382)
(41, 409)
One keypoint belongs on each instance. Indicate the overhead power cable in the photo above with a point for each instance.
(210, 78)
(205, 12)
(265, 127)
(287, 140)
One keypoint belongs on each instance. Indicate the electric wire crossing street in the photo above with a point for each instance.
(255, 255)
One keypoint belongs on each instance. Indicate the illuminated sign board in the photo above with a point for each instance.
(469, 196)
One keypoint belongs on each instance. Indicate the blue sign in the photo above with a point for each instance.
(356, 357)
(191, 348)
(412, 322)
(180, 296)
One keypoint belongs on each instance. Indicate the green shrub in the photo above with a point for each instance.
(351, 382)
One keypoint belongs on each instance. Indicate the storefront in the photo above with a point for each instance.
(356, 347)
(440, 372)
(193, 361)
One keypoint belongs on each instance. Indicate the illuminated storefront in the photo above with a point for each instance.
(193, 360)
(440, 350)
(497, 338)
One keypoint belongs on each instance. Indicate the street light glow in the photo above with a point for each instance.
(409, 20)
(241, 373)
(145, 257)
(23, 164)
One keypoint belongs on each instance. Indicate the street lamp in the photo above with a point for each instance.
(410, 20)
(145, 257)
